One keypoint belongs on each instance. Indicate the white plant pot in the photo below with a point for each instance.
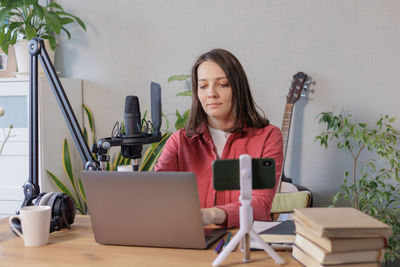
(22, 56)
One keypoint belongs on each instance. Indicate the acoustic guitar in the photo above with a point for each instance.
(299, 88)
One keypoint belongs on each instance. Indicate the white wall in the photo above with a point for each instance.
(349, 47)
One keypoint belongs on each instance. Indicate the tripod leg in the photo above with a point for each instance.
(246, 249)
(228, 249)
(266, 247)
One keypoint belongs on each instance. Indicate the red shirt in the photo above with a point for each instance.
(196, 154)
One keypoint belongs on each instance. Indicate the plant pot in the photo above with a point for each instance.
(22, 56)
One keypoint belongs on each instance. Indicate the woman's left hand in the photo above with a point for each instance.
(213, 215)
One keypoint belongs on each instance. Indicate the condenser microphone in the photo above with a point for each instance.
(132, 116)
(137, 133)
(133, 126)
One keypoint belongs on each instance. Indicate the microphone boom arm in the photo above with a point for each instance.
(37, 50)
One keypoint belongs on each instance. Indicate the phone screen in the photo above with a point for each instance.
(226, 174)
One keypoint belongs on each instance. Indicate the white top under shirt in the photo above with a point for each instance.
(219, 138)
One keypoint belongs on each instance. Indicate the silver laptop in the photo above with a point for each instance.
(158, 209)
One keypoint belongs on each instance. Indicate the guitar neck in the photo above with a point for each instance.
(287, 118)
(300, 82)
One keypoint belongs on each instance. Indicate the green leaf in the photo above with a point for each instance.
(66, 157)
(181, 120)
(152, 154)
(126, 161)
(4, 14)
(39, 11)
(166, 121)
(53, 22)
(180, 77)
(185, 93)
(80, 22)
(178, 114)
(90, 117)
(82, 191)
(63, 188)
(30, 32)
(52, 42)
(67, 32)
(55, 6)
(4, 46)
(91, 121)
(186, 115)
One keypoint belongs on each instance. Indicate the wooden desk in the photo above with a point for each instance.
(77, 247)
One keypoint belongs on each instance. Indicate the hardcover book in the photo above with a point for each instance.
(308, 261)
(341, 244)
(281, 233)
(324, 257)
(341, 223)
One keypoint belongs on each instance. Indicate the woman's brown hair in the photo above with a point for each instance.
(242, 101)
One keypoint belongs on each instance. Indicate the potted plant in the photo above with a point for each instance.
(22, 20)
(373, 183)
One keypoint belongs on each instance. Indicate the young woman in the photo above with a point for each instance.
(223, 124)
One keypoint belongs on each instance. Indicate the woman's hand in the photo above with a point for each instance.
(213, 215)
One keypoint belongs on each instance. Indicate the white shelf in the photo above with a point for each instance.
(14, 161)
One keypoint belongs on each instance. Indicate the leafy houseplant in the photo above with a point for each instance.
(26, 19)
(152, 154)
(78, 194)
(373, 185)
(182, 118)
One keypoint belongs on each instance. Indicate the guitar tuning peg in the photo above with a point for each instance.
(310, 81)
(303, 94)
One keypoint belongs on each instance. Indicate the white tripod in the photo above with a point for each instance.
(246, 219)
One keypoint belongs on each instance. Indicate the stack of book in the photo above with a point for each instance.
(339, 237)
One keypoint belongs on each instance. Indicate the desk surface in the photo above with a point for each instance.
(77, 247)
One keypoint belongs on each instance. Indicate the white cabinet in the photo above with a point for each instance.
(14, 161)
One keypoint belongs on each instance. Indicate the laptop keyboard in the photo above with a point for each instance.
(213, 233)
(208, 237)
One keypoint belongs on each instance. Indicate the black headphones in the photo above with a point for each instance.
(63, 210)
